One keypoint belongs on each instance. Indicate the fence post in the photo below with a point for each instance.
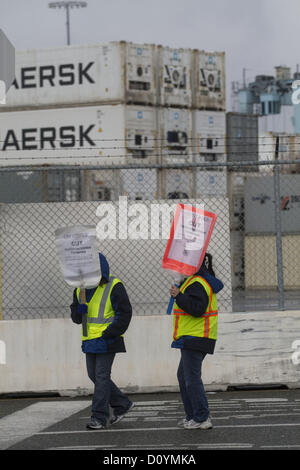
(278, 230)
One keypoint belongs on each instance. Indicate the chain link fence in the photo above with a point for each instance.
(254, 244)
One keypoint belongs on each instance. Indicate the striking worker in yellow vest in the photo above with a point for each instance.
(194, 333)
(105, 316)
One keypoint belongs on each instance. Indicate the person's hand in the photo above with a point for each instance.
(174, 291)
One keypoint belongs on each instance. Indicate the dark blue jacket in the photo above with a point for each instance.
(111, 339)
(194, 301)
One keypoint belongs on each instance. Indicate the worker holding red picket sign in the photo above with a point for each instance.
(195, 307)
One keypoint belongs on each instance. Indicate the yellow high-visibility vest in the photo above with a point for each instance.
(205, 326)
(100, 311)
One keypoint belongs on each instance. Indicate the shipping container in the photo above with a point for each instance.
(117, 72)
(93, 135)
(101, 185)
(288, 149)
(209, 87)
(139, 184)
(174, 77)
(40, 186)
(266, 150)
(282, 122)
(176, 184)
(210, 183)
(209, 136)
(261, 264)
(260, 207)
(175, 135)
(237, 259)
(236, 187)
(242, 138)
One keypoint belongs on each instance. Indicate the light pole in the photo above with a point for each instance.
(67, 5)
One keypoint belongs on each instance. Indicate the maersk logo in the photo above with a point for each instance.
(54, 75)
(140, 114)
(47, 137)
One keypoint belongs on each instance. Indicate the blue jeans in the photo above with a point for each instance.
(191, 385)
(106, 393)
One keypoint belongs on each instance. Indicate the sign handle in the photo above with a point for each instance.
(172, 300)
(82, 295)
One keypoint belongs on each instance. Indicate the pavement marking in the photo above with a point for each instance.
(291, 446)
(170, 428)
(32, 419)
(225, 445)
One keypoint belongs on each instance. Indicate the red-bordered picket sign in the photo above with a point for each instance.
(190, 234)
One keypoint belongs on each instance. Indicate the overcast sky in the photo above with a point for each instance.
(255, 34)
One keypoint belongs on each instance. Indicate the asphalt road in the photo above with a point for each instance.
(243, 420)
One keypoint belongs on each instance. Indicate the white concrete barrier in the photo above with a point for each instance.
(253, 348)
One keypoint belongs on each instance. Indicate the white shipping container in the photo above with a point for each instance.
(210, 183)
(282, 122)
(177, 184)
(96, 74)
(175, 75)
(209, 80)
(288, 149)
(209, 135)
(77, 136)
(176, 135)
(139, 184)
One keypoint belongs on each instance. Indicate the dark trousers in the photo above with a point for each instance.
(106, 393)
(191, 385)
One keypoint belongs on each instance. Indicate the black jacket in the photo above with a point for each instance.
(194, 301)
(111, 339)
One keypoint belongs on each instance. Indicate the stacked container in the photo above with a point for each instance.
(117, 103)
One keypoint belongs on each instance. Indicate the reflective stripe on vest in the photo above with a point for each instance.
(100, 319)
(204, 326)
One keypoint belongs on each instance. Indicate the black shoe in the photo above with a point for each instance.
(116, 419)
(95, 424)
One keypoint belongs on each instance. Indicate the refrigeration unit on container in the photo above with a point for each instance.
(140, 69)
(92, 135)
(141, 134)
(139, 184)
(210, 183)
(210, 136)
(117, 72)
(176, 184)
(209, 88)
(101, 185)
(174, 76)
(175, 135)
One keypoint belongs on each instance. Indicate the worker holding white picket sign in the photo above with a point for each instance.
(101, 305)
(194, 305)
